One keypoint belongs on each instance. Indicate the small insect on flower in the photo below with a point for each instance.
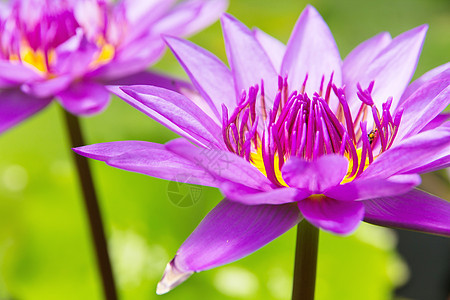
(298, 133)
(72, 49)
(371, 135)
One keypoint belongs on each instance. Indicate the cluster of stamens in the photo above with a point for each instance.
(298, 125)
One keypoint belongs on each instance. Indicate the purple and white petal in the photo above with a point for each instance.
(311, 50)
(363, 189)
(141, 14)
(138, 11)
(189, 17)
(129, 60)
(355, 66)
(15, 107)
(437, 164)
(422, 80)
(250, 66)
(223, 165)
(437, 121)
(250, 196)
(174, 111)
(165, 82)
(147, 158)
(229, 232)
(424, 105)
(394, 66)
(415, 210)
(340, 217)
(47, 88)
(74, 56)
(208, 74)
(273, 47)
(423, 148)
(15, 73)
(84, 98)
(315, 176)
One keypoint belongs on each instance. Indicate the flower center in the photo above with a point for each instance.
(33, 37)
(306, 127)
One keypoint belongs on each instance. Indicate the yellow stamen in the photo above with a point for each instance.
(257, 160)
(33, 58)
(106, 53)
(347, 177)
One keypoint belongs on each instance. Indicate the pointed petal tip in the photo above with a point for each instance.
(310, 9)
(77, 150)
(423, 27)
(169, 38)
(172, 277)
(111, 88)
(229, 21)
(384, 35)
(418, 32)
(227, 17)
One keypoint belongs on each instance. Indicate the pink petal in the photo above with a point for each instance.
(311, 50)
(229, 232)
(415, 210)
(84, 98)
(248, 60)
(340, 217)
(316, 176)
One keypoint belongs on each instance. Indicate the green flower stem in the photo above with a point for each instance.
(92, 208)
(305, 261)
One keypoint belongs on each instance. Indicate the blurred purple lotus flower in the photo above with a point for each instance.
(70, 49)
(292, 132)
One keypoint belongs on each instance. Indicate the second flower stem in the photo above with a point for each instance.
(92, 208)
(305, 261)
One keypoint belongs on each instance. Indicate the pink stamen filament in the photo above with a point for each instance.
(299, 126)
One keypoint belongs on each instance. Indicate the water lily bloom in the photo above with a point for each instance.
(291, 132)
(71, 49)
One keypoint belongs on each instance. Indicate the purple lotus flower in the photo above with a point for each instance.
(70, 49)
(292, 132)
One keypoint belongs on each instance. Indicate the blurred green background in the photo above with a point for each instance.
(45, 249)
